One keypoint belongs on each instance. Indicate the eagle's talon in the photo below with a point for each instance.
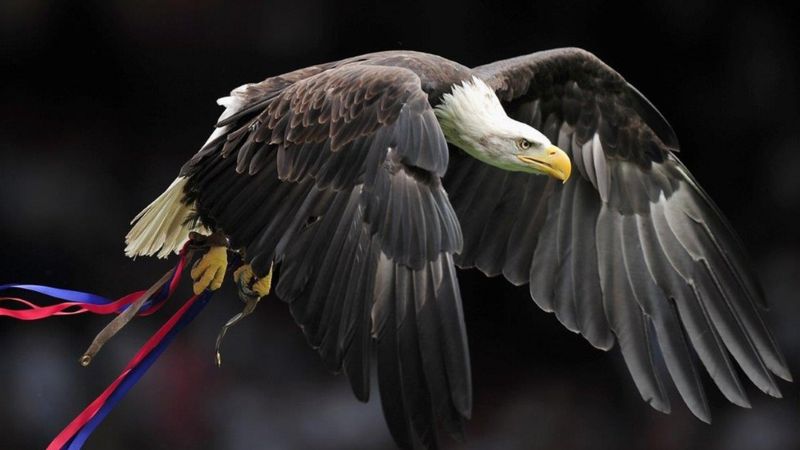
(243, 275)
(251, 290)
(251, 286)
(263, 285)
(209, 271)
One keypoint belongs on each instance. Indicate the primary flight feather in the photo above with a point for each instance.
(341, 176)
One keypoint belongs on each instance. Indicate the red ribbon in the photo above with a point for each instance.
(89, 412)
(66, 308)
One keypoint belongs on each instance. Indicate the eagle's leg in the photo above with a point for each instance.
(251, 290)
(209, 271)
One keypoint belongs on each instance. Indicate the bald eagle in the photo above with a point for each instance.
(365, 182)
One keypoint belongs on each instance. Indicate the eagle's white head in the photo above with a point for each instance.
(472, 118)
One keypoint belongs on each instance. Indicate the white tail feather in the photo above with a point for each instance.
(161, 228)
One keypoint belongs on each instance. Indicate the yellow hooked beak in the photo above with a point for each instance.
(553, 162)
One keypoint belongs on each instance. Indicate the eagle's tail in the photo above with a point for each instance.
(162, 227)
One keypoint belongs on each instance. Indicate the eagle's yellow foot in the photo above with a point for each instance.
(209, 271)
(244, 277)
(251, 293)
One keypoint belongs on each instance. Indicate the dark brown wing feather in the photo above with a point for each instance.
(334, 172)
(630, 249)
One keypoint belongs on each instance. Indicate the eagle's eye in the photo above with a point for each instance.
(524, 144)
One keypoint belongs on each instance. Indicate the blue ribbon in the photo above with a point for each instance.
(136, 373)
(63, 294)
(86, 297)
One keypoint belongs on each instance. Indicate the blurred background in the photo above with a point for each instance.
(101, 102)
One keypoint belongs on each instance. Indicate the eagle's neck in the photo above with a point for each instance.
(471, 116)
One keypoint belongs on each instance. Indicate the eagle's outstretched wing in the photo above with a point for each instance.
(630, 249)
(335, 173)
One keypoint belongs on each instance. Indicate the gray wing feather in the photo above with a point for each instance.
(630, 249)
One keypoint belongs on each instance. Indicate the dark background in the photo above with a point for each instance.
(102, 101)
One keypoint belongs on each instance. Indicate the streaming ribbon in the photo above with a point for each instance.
(78, 431)
(75, 302)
